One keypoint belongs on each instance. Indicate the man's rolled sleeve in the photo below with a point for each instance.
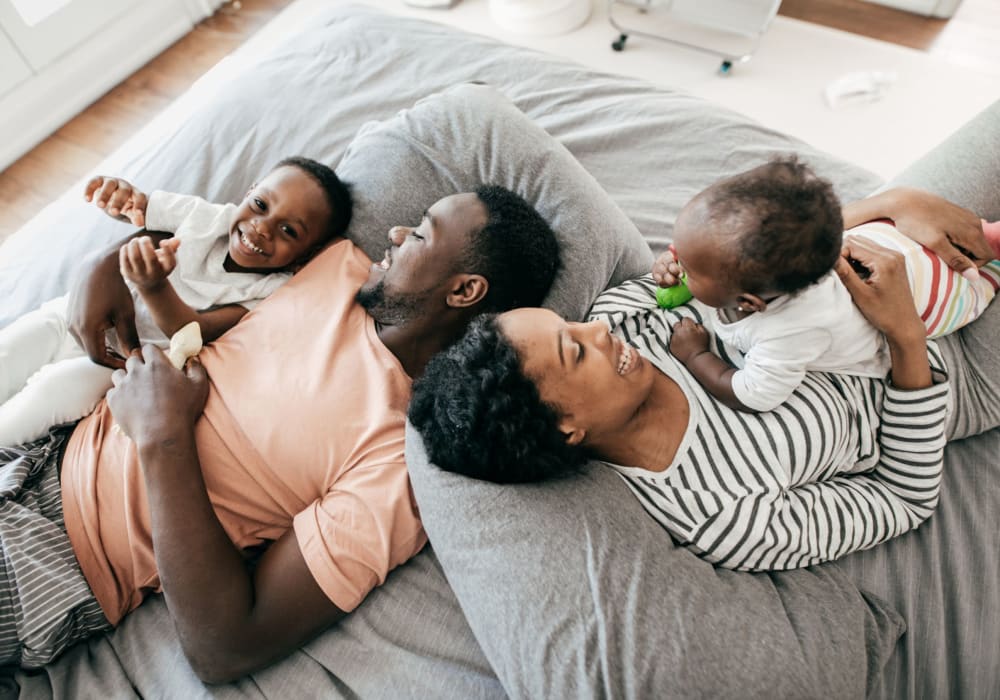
(364, 527)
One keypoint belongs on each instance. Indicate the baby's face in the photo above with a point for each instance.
(282, 218)
(702, 254)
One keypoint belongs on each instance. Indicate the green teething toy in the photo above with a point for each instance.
(670, 297)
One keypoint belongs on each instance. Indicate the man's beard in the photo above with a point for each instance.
(391, 310)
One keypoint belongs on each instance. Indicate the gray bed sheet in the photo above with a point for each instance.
(651, 149)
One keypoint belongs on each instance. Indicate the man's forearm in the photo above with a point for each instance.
(208, 588)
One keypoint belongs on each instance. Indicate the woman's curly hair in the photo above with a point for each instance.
(481, 416)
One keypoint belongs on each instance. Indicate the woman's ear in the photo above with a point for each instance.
(750, 303)
(573, 434)
(468, 290)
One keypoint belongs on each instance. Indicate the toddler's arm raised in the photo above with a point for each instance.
(148, 268)
(118, 198)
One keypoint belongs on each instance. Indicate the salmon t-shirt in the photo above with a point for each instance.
(303, 428)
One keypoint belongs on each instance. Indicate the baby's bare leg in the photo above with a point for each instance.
(992, 231)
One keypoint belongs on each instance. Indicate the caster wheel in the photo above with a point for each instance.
(725, 67)
(619, 44)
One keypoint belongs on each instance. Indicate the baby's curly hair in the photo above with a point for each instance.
(482, 417)
(789, 222)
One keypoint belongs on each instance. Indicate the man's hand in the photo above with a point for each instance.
(688, 340)
(98, 301)
(152, 401)
(118, 198)
(666, 271)
(145, 265)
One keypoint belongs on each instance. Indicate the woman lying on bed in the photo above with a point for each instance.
(846, 463)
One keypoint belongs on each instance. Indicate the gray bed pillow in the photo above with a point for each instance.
(573, 591)
(470, 135)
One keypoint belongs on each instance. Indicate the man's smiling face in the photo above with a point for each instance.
(414, 277)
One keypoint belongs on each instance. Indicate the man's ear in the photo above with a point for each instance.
(573, 434)
(467, 290)
(750, 302)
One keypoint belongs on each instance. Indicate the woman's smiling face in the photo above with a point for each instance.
(594, 380)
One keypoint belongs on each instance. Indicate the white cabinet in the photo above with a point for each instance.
(58, 56)
(13, 69)
(43, 37)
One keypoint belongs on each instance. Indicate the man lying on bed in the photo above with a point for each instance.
(287, 431)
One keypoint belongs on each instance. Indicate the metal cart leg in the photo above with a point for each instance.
(728, 59)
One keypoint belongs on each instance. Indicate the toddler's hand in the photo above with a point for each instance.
(145, 266)
(666, 271)
(688, 340)
(118, 198)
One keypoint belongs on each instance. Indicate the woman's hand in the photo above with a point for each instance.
(886, 301)
(118, 198)
(152, 401)
(884, 297)
(951, 231)
(145, 265)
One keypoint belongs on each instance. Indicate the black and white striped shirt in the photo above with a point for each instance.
(844, 464)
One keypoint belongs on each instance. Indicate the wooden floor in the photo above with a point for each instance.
(972, 37)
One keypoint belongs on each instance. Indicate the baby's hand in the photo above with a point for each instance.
(666, 271)
(145, 266)
(688, 340)
(118, 198)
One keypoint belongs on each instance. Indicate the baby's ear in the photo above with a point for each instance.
(751, 303)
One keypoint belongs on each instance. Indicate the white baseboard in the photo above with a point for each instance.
(35, 109)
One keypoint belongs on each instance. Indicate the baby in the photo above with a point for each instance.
(760, 248)
(219, 262)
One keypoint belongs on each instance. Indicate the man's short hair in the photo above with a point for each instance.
(516, 251)
(480, 416)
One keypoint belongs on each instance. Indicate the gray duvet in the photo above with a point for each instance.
(651, 150)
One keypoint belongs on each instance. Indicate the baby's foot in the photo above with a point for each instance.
(992, 233)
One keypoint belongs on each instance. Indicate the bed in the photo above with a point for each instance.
(564, 589)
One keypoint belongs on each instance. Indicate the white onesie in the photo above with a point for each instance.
(818, 328)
